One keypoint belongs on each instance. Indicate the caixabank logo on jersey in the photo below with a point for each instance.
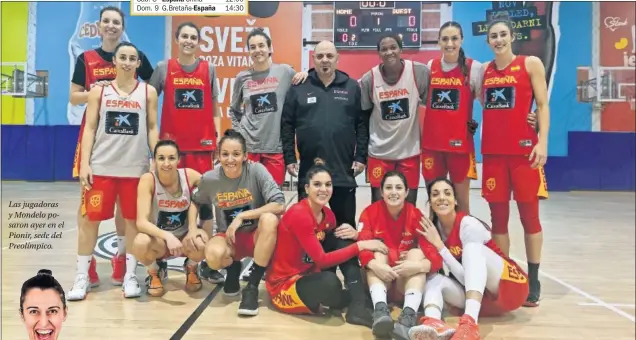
(107, 248)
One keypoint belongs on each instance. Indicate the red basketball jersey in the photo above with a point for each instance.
(290, 259)
(187, 115)
(97, 69)
(508, 98)
(454, 243)
(449, 107)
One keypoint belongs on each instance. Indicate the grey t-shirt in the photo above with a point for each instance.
(257, 105)
(231, 196)
(158, 79)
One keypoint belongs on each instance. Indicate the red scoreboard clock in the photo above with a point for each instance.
(360, 24)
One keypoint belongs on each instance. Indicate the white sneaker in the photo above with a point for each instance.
(80, 288)
(131, 286)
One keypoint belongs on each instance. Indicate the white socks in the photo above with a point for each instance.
(131, 264)
(121, 245)
(378, 293)
(472, 308)
(83, 263)
(412, 299)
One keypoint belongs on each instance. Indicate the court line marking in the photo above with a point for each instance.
(584, 294)
(39, 238)
(594, 304)
(185, 327)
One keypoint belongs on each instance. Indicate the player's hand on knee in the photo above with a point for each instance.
(407, 268)
(196, 240)
(383, 271)
(174, 245)
(373, 245)
(346, 232)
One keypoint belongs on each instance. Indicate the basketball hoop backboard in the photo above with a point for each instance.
(617, 84)
(19, 82)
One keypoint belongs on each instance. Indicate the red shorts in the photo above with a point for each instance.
(286, 299)
(99, 202)
(513, 292)
(502, 174)
(436, 164)
(77, 158)
(243, 244)
(200, 161)
(410, 167)
(273, 162)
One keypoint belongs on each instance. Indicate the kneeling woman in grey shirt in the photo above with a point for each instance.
(247, 204)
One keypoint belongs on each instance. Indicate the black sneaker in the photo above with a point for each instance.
(209, 274)
(406, 320)
(249, 301)
(382, 321)
(534, 296)
(248, 271)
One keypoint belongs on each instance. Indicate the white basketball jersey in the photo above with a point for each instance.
(394, 131)
(170, 213)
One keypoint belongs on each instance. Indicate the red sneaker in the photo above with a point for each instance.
(467, 329)
(431, 329)
(92, 273)
(118, 262)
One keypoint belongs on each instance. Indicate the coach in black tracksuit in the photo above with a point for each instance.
(324, 115)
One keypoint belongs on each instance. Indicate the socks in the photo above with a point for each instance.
(234, 272)
(433, 311)
(472, 308)
(256, 275)
(131, 264)
(412, 299)
(153, 267)
(121, 245)
(83, 262)
(533, 274)
(378, 293)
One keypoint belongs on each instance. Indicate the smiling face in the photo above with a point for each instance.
(389, 51)
(43, 314)
(320, 188)
(394, 191)
(259, 50)
(500, 39)
(442, 198)
(232, 157)
(450, 41)
(166, 159)
(126, 60)
(188, 39)
(111, 25)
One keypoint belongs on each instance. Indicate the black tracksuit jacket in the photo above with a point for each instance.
(326, 122)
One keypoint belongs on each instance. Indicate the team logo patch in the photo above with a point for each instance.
(122, 123)
(107, 248)
(377, 172)
(188, 99)
(428, 163)
(499, 98)
(396, 109)
(264, 103)
(444, 99)
(491, 184)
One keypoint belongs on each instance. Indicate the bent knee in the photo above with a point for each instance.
(216, 253)
(415, 254)
(268, 223)
(331, 282)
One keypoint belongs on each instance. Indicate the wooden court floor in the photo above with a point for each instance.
(588, 276)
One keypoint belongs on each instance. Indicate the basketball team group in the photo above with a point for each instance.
(184, 188)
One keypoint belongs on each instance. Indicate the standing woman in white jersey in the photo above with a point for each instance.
(121, 128)
(167, 220)
(391, 93)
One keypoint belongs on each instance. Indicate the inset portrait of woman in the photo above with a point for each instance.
(43, 306)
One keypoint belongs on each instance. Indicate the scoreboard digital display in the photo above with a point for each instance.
(360, 24)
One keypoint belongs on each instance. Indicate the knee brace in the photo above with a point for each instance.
(529, 214)
(499, 215)
(205, 212)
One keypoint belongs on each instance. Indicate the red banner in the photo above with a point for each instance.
(224, 43)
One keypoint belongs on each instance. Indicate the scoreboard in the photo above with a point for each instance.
(360, 24)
